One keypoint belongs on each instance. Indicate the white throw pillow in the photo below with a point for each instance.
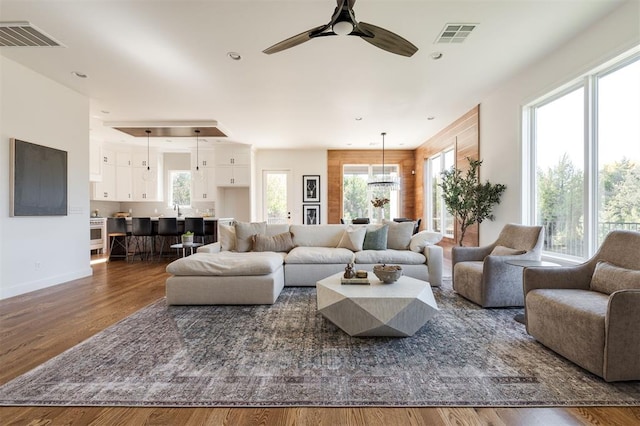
(227, 237)
(352, 238)
(244, 232)
(399, 235)
(424, 238)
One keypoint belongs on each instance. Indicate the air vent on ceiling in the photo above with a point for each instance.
(23, 34)
(455, 33)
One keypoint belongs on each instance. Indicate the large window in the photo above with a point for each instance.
(357, 196)
(584, 160)
(441, 220)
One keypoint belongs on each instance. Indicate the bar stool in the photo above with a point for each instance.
(141, 227)
(116, 231)
(167, 228)
(195, 225)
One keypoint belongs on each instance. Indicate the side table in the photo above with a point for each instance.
(524, 264)
(185, 246)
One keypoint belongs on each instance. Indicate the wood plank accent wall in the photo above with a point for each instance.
(464, 135)
(338, 158)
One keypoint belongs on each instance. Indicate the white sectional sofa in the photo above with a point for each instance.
(253, 261)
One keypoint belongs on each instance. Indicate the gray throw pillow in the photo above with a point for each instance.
(376, 239)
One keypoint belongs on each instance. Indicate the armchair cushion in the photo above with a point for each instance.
(608, 278)
(505, 251)
(579, 316)
(227, 236)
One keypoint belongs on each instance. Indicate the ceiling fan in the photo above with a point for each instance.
(343, 22)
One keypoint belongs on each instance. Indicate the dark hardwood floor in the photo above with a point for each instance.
(38, 326)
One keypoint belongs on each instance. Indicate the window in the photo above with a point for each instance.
(275, 196)
(357, 196)
(441, 220)
(584, 160)
(180, 188)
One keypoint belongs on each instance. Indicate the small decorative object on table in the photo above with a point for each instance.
(349, 272)
(388, 273)
(187, 237)
(356, 277)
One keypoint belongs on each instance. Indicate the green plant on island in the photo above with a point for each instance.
(466, 198)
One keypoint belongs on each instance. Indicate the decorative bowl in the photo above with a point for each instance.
(388, 273)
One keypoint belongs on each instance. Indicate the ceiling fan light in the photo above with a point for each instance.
(343, 27)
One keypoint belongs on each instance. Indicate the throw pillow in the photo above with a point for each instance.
(399, 235)
(227, 237)
(244, 232)
(279, 243)
(608, 278)
(422, 239)
(505, 251)
(353, 238)
(376, 238)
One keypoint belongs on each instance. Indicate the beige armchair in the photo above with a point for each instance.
(590, 313)
(484, 274)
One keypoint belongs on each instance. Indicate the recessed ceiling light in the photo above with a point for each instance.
(79, 74)
(234, 55)
(431, 117)
(436, 55)
(104, 111)
(358, 118)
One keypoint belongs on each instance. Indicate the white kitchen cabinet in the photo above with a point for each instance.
(146, 183)
(95, 162)
(233, 155)
(203, 182)
(203, 158)
(232, 176)
(123, 158)
(204, 186)
(105, 190)
(124, 183)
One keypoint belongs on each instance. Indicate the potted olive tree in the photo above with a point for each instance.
(466, 198)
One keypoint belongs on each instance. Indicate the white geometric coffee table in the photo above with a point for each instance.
(398, 310)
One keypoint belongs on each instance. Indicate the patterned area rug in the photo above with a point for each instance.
(288, 355)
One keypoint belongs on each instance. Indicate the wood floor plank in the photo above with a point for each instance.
(37, 326)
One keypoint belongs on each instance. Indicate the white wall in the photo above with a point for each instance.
(38, 252)
(300, 162)
(500, 113)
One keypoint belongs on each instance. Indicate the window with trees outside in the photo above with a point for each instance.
(584, 160)
(441, 220)
(357, 196)
(180, 188)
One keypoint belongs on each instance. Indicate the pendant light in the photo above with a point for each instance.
(384, 181)
(198, 174)
(148, 175)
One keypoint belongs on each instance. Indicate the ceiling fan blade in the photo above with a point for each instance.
(295, 40)
(385, 39)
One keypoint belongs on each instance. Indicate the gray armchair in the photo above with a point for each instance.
(590, 313)
(483, 274)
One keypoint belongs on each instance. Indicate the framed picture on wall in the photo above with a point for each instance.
(311, 188)
(311, 214)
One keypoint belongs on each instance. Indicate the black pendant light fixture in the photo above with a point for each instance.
(384, 181)
(147, 175)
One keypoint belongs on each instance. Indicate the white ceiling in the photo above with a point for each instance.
(154, 60)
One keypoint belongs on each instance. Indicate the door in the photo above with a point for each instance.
(276, 196)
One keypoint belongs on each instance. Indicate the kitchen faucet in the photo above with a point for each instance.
(177, 207)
